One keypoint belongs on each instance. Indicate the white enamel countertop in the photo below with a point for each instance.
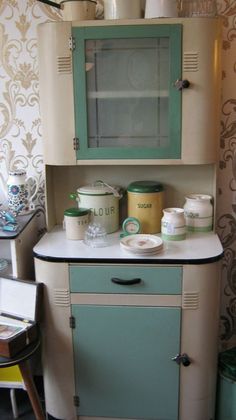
(197, 247)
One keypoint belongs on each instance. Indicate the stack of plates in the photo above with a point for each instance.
(142, 244)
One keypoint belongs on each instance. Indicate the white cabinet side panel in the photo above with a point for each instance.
(56, 93)
(58, 369)
(200, 329)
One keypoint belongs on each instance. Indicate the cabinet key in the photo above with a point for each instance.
(182, 358)
(182, 84)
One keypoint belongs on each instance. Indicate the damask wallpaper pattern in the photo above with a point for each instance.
(226, 211)
(21, 130)
(20, 124)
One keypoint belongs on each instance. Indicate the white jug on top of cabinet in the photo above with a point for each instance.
(161, 8)
(122, 9)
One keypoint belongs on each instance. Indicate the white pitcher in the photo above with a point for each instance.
(161, 8)
(21, 191)
(122, 9)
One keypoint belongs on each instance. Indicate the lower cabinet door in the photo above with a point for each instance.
(123, 361)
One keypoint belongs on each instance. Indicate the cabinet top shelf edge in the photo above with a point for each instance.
(138, 162)
(133, 22)
(155, 21)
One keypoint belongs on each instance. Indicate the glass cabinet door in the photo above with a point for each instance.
(126, 104)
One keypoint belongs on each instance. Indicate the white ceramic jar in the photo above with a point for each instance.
(21, 191)
(76, 222)
(173, 224)
(198, 212)
(122, 9)
(161, 8)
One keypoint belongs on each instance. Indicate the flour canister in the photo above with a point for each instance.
(198, 212)
(103, 201)
(173, 224)
(145, 203)
(76, 222)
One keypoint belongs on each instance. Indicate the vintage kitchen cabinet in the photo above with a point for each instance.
(115, 108)
(138, 90)
(109, 347)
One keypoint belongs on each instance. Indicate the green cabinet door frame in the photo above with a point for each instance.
(174, 33)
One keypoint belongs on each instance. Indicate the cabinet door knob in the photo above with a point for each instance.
(182, 358)
(182, 84)
(125, 282)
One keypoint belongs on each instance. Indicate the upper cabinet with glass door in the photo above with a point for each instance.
(126, 104)
(114, 92)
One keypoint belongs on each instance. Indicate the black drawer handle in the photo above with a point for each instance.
(125, 282)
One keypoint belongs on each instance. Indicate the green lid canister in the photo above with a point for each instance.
(76, 221)
(145, 202)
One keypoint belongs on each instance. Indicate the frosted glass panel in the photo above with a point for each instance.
(128, 92)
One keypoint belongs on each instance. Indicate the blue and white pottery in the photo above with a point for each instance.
(19, 191)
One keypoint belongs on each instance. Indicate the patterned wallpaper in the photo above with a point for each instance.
(20, 124)
(226, 212)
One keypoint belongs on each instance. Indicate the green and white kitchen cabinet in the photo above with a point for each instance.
(140, 90)
(126, 337)
(122, 101)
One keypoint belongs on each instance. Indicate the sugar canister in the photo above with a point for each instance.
(145, 203)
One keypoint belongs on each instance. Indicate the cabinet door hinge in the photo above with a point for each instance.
(72, 43)
(72, 321)
(76, 401)
(75, 143)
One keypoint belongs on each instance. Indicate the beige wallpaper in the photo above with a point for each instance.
(227, 174)
(20, 124)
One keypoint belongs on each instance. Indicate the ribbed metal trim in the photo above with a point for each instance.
(64, 64)
(191, 61)
(190, 300)
(61, 297)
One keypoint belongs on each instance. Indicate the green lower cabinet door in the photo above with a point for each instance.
(123, 361)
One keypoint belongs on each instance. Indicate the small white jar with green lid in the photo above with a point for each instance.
(76, 221)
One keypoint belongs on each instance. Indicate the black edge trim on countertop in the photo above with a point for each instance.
(129, 261)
